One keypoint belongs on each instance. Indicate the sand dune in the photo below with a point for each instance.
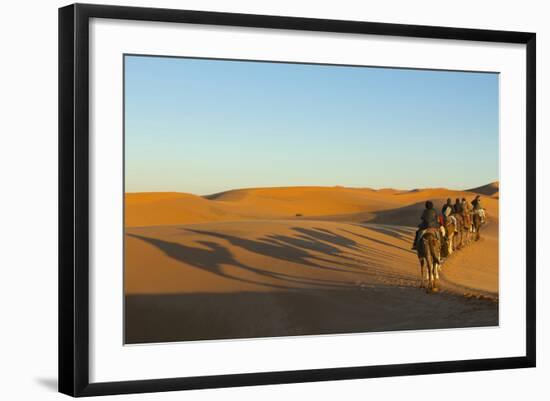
(489, 189)
(143, 209)
(330, 203)
(242, 264)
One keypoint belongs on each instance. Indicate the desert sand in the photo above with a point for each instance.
(296, 261)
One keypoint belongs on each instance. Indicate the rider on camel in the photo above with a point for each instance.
(466, 209)
(476, 204)
(429, 220)
(457, 206)
(447, 209)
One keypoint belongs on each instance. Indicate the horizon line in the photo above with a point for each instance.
(319, 186)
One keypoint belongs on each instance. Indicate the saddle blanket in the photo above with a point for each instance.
(428, 230)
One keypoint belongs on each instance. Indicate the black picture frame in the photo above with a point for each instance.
(74, 192)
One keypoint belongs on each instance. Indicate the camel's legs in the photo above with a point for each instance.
(477, 231)
(426, 276)
(432, 274)
(421, 272)
(430, 264)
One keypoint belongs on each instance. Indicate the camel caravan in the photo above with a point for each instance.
(439, 235)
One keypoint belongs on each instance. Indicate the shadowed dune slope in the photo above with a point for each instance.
(200, 316)
(410, 215)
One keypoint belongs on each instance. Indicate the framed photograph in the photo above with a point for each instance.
(251, 199)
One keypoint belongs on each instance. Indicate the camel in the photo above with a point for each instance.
(468, 227)
(428, 251)
(477, 226)
(459, 231)
(448, 237)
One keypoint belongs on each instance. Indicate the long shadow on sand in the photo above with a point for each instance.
(364, 260)
(384, 243)
(295, 249)
(315, 248)
(401, 233)
(216, 255)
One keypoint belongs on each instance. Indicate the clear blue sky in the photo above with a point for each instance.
(204, 126)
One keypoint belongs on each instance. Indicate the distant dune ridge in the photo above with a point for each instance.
(491, 189)
(344, 204)
(296, 260)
